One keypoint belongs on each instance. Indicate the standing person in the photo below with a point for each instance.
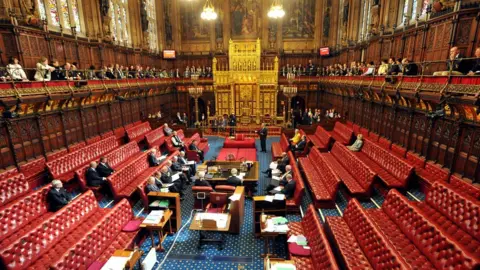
(263, 132)
(232, 123)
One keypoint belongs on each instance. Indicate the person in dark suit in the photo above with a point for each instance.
(177, 142)
(280, 182)
(178, 167)
(475, 64)
(234, 180)
(158, 181)
(167, 130)
(179, 119)
(409, 69)
(194, 147)
(57, 74)
(166, 178)
(184, 162)
(153, 160)
(58, 197)
(300, 146)
(93, 177)
(263, 132)
(281, 164)
(151, 185)
(288, 189)
(232, 122)
(394, 68)
(103, 169)
(200, 181)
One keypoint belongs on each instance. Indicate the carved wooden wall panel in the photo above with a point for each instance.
(26, 139)
(116, 115)
(51, 130)
(73, 127)
(104, 119)
(6, 155)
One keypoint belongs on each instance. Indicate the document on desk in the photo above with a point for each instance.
(279, 196)
(221, 219)
(281, 228)
(234, 197)
(241, 175)
(283, 266)
(273, 165)
(116, 263)
(175, 177)
(278, 188)
(154, 217)
(269, 198)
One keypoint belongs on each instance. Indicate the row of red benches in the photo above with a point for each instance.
(440, 233)
(283, 146)
(35, 238)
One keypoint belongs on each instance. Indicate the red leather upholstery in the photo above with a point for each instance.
(141, 182)
(341, 133)
(93, 139)
(201, 203)
(321, 139)
(155, 137)
(119, 133)
(117, 159)
(191, 155)
(373, 136)
(233, 143)
(107, 134)
(321, 178)
(137, 132)
(398, 150)
(321, 254)
(442, 250)
(279, 147)
(76, 146)
(64, 168)
(294, 202)
(385, 143)
(57, 154)
(427, 172)
(33, 169)
(97, 239)
(355, 174)
(21, 215)
(51, 233)
(393, 171)
(8, 173)
(465, 188)
(12, 188)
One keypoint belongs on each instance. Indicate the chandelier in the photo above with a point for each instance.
(208, 12)
(276, 10)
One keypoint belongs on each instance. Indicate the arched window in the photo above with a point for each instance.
(62, 15)
(152, 25)
(119, 22)
(365, 20)
(412, 9)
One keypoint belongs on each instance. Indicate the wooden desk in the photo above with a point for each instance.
(237, 210)
(134, 256)
(174, 206)
(268, 262)
(268, 237)
(249, 181)
(159, 228)
(201, 226)
(275, 208)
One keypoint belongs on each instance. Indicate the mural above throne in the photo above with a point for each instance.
(246, 18)
(193, 27)
(299, 21)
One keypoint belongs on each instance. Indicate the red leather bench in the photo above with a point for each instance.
(137, 132)
(355, 175)
(52, 234)
(279, 147)
(155, 137)
(142, 183)
(202, 145)
(93, 139)
(13, 188)
(427, 172)
(465, 188)
(107, 134)
(101, 240)
(124, 181)
(321, 179)
(64, 168)
(117, 159)
(294, 202)
(321, 139)
(7, 173)
(341, 133)
(34, 171)
(321, 254)
(240, 141)
(457, 215)
(398, 150)
(76, 146)
(385, 143)
(57, 154)
(393, 171)
(435, 243)
(119, 134)
(360, 243)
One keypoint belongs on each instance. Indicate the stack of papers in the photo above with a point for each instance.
(221, 219)
(271, 227)
(276, 172)
(269, 198)
(154, 217)
(164, 190)
(273, 165)
(116, 263)
(160, 203)
(278, 188)
(283, 266)
(175, 177)
(279, 197)
(279, 220)
(234, 197)
(299, 240)
(241, 175)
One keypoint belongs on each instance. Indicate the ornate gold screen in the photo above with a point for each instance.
(253, 90)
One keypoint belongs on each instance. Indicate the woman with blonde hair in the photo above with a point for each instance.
(43, 70)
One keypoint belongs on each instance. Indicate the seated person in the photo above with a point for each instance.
(167, 130)
(57, 197)
(279, 180)
(200, 181)
(177, 142)
(455, 64)
(281, 163)
(153, 160)
(409, 69)
(103, 169)
(357, 145)
(151, 185)
(15, 70)
(475, 66)
(300, 146)
(183, 160)
(179, 120)
(234, 180)
(178, 167)
(173, 188)
(296, 138)
(93, 177)
(166, 178)
(194, 147)
(288, 190)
